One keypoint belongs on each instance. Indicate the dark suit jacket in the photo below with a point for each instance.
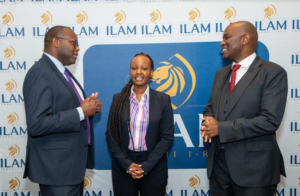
(57, 151)
(160, 134)
(255, 110)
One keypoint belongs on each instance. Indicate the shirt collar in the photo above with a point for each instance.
(246, 62)
(145, 93)
(57, 63)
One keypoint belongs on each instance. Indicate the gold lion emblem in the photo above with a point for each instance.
(13, 118)
(7, 19)
(11, 86)
(270, 12)
(46, 18)
(194, 15)
(230, 14)
(82, 18)
(173, 79)
(14, 184)
(14, 151)
(174, 75)
(120, 17)
(9, 53)
(194, 181)
(87, 182)
(155, 16)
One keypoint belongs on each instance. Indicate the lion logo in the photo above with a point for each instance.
(120, 17)
(230, 14)
(13, 118)
(194, 15)
(87, 183)
(9, 53)
(155, 16)
(82, 18)
(270, 12)
(194, 181)
(8, 19)
(46, 18)
(171, 80)
(14, 184)
(14, 151)
(11, 86)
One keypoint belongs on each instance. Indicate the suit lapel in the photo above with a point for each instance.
(62, 78)
(242, 85)
(224, 76)
(152, 102)
(126, 126)
(74, 79)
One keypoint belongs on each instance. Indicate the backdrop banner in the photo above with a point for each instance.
(182, 37)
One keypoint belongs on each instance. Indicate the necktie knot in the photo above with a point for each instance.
(236, 67)
(233, 76)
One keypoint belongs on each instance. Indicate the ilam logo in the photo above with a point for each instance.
(11, 86)
(194, 15)
(120, 17)
(118, 28)
(171, 79)
(270, 24)
(47, 18)
(7, 30)
(9, 53)
(230, 14)
(155, 16)
(10, 97)
(82, 18)
(13, 118)
(153, 29)
(14, 151)
(8, 65)
(195, 27)
(85, 30)
(194, 181)
(14, 184)
(87, 182)
(270, 12)
(8, 19)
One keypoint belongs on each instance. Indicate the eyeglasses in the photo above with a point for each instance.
(75, 42)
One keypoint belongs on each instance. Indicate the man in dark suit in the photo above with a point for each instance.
(60, 131)
(244, 111)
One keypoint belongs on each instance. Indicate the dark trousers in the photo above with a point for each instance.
(72, 190)
(221, 183)
(152, 184)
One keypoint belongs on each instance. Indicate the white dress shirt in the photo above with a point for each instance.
(245, 64)
(61, 69)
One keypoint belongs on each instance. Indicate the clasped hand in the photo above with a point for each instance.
(209, 128)
(136, 171)
(91, 106)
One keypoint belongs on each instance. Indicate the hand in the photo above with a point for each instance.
(136, 171)
(91, 106)
(209, 128)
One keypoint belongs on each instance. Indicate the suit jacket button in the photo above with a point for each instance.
(85, 127)
(226, 102)
(224, 112)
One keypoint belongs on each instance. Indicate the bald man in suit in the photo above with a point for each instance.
(241, 118)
